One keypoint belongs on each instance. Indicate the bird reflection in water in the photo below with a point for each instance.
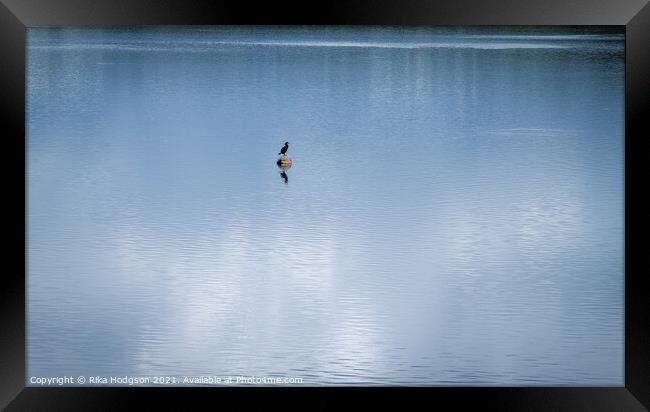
(283, 173)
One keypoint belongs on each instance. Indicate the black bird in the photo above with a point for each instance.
(284, 148)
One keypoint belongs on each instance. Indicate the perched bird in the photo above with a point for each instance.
(284, 148)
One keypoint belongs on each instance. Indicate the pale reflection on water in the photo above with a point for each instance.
(453, 216)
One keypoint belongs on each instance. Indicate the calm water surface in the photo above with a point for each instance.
(453, 216)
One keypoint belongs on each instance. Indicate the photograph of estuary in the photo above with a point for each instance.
(418, 206)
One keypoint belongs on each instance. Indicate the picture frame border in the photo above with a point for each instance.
(18, 15)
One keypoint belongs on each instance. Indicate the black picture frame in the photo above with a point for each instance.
(17, 15)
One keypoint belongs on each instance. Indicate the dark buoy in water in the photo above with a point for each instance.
(284, 160)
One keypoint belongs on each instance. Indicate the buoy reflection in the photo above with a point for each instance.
(283, 173)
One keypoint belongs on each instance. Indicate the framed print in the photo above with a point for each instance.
(385, 198)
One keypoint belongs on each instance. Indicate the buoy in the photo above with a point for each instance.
(284, 160)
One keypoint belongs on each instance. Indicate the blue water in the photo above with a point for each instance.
(453, 214)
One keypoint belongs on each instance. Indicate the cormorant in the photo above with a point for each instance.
(284, 148)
